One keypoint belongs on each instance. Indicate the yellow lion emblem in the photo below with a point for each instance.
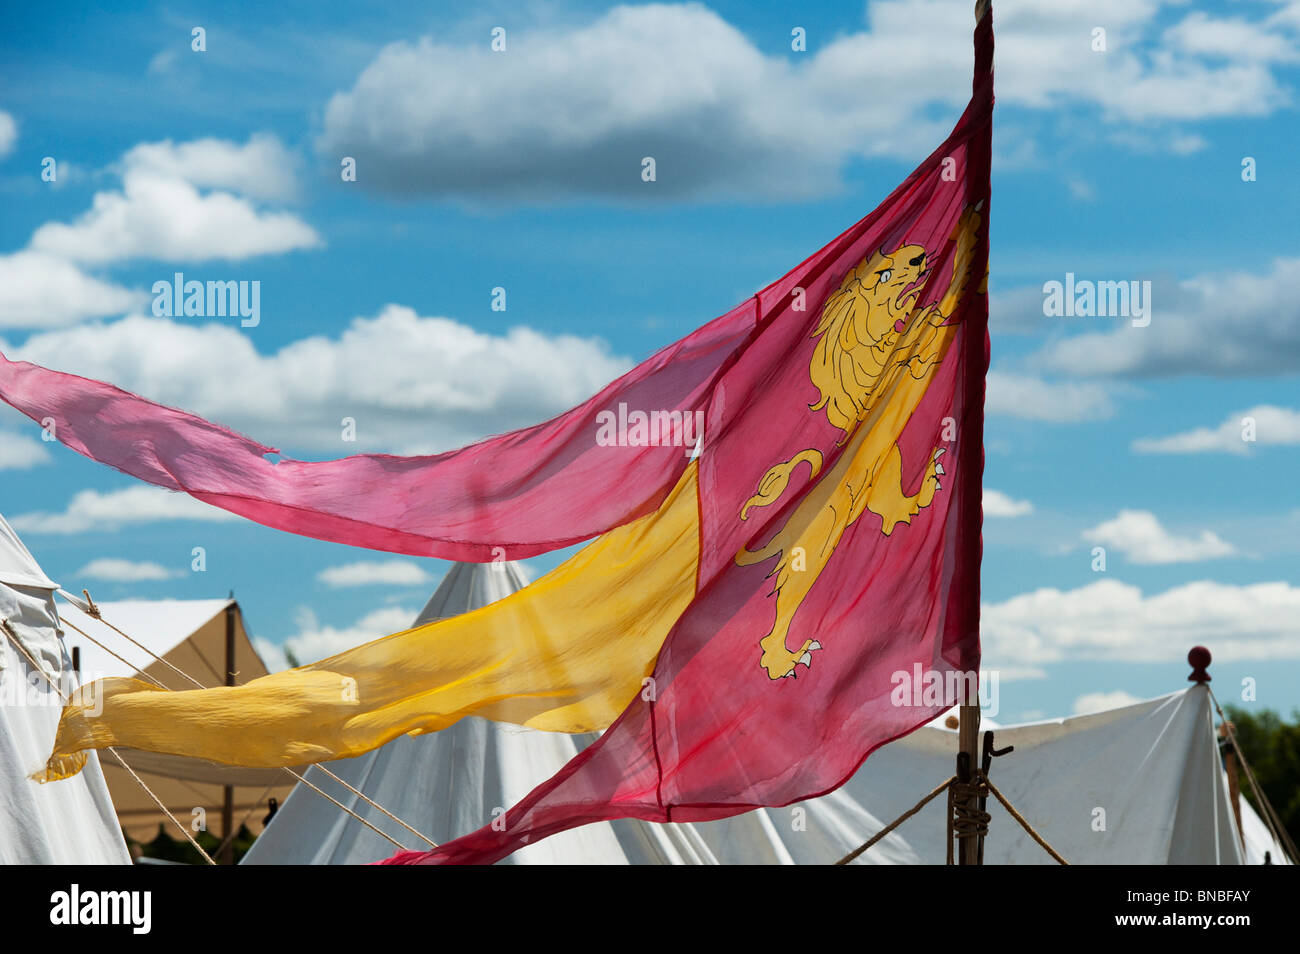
(875, 355)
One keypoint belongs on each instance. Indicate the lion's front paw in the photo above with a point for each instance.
(931, 484)
(780, 662)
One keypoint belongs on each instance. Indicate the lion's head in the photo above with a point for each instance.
(860, 322)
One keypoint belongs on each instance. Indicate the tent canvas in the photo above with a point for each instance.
(1141, 784)
(66, 822)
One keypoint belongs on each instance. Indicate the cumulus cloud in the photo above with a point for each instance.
(315, 640)
(998, 504)
(374, 573)
(412, 384)
(93, 510)
(20, 452)
(8, 133)
(159, 213)
(156, 216)
(38, 290)
(1113, 621)
(125, 571)
(1033, 398)
(575, 109)
(1232, 38)
(1139, 536)
(261, 168)
(1268, 423)
(1226, 323)
(1091, 702)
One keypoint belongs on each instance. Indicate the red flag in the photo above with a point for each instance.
(839, 498)
(524, 493)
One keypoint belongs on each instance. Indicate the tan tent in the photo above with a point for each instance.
(197, 637)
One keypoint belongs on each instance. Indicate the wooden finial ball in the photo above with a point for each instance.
(1199, 659)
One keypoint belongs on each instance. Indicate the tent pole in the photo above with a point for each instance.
(228, 792)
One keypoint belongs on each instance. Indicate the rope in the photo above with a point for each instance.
(13, 638)
(963, 820)
(1024, 824)
(92, 609)
(349, 811)
(1270, 814)
(163, 808)
(895, 823)
(126, 662)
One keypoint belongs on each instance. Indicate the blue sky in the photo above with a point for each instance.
(521, 169)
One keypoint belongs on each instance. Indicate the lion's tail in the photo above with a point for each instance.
(770, 489)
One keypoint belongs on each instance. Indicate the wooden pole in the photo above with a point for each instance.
(228, 792)
(968, 729)
(968, 735)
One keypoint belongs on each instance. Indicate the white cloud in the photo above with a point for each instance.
(413, 384)
(44, 291)
(20, 452)
(375, 572)
(315, 641)
(124, 571)
(158, 214)
(1091, 702)
(1139, 536)
(575, 109)
(1272, 425)
(1233, 39)
(1221, 323)
(1035, 399)
(261, 168)
(168, 219)
(8, 133)
(998, 504)
(91, 510)
(1113, 621)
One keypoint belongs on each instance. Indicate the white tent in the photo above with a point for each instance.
(66, 822)
(1140, 784)
(1259, 840)
(449, 783)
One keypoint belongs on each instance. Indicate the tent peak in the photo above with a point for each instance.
(470, 586)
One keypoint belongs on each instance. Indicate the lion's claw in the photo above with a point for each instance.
(781, 663)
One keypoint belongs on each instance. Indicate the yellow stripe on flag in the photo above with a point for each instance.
(566, 654)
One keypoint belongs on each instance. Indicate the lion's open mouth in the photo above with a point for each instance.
(912, 288)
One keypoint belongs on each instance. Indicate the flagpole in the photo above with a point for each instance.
(968, 731)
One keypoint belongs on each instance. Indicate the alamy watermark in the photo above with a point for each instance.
(624, 428)
(179, 298)
(1082, 298)
(933, 688)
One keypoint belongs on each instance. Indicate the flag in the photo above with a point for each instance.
(749, 616)
(508, 497)
(839, 529)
